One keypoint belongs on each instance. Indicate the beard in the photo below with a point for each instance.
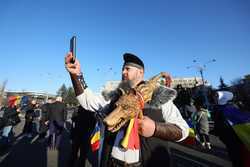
(125, 84)
(132, 80)
(132, 83)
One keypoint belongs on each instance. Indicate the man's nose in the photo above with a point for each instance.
(124, 72)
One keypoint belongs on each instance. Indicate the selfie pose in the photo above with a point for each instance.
(161, 120)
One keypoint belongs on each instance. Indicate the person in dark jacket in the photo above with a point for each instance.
(83, 124)
(56, 117)
(44, 118)
(10, 118)
(29, 117)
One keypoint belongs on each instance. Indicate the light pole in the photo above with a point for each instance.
(201, 68)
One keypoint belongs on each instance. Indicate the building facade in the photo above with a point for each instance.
(188, 82)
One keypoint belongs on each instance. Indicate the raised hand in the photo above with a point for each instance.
(168, 79)
(73, 68)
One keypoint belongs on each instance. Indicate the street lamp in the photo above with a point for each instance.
(201, 68)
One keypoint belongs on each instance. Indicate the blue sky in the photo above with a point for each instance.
(167, 35)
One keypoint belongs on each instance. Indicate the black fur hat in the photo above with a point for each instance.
(133, 60)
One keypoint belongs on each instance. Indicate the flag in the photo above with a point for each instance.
(95, 138)
(131, 139)
(12, 101)
(18, 100)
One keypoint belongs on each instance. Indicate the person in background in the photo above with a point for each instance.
(10, 119)
(44, 119)
(56, 116)
(37, 118)
(29, 117)
(201, 124)
(190, 108)
(83, 123)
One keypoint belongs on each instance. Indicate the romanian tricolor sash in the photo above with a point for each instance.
(131, 139)
(95, 138)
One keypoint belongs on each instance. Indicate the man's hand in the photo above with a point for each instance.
(73, 68)
(168, 79)
(146, 126)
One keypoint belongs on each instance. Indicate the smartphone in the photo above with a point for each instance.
(73, 48)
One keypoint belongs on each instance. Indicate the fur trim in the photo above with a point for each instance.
(162, 95)
(112, 91)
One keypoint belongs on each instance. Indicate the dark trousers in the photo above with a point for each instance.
(55, 134)
(79, 144)
(42, 129)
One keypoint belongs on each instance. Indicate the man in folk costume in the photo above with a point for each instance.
(142, 140)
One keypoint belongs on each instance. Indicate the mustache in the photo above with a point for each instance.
(124, 77)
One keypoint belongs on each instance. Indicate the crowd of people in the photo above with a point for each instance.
(166, 117)
(46, 123)
(38, 118)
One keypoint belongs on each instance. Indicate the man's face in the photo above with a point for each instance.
(133, 74)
